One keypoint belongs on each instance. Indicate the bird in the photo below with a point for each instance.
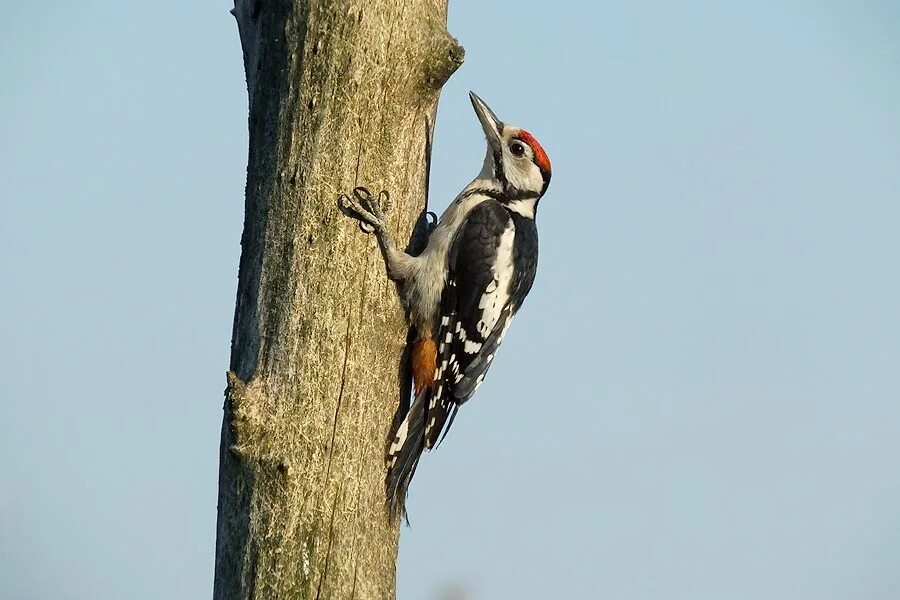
(463, 290)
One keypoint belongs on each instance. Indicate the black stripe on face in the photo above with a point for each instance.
(498, 154)
(498, 168)
(504, 196)
(546, 176)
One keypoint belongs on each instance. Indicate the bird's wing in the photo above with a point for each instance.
(485, 285)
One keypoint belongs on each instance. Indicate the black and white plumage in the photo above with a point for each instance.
(491, 266)
(463, 290)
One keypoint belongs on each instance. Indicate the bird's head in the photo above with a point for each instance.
(515, 161)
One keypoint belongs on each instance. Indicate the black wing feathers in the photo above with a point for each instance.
(524, 264)
(525, 253)
(463, 346)
(474, 256)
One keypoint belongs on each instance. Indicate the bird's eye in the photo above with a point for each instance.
(517, 149)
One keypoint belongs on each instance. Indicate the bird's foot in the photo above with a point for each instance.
(425, 224)
(430, 225)
(369, 210)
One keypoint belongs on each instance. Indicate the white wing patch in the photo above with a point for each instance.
(496, 294)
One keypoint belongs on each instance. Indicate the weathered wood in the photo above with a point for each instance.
(340, 94)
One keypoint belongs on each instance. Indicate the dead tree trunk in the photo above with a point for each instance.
(340, 94)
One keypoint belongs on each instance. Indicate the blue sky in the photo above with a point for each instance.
(700, 398)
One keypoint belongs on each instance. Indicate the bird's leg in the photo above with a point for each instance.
(370, 211)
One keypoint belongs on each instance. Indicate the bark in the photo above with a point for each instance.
(340, 95)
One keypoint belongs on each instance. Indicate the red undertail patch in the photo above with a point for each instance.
(424, 363)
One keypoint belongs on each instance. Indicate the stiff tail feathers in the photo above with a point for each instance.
(406, 447)
(440, 416)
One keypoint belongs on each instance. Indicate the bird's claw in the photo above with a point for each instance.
(369, 210)
(378, 206)
(430, 224)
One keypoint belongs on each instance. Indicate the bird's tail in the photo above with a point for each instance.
(404, 452)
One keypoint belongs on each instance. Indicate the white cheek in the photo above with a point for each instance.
(524, 175)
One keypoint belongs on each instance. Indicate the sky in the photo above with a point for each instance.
(700, 398)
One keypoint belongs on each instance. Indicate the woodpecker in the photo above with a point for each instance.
(465, 287)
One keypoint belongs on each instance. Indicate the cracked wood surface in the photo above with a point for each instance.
(339, 95)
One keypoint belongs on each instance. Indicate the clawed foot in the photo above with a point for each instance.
(369, 210)
(422, 232)
(430, 225)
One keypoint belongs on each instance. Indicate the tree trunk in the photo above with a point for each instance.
(341, 93)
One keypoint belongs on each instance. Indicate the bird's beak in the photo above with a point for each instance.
(493, 127)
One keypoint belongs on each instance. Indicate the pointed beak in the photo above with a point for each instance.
(493, 127)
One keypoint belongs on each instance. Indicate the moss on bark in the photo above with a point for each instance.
(340, 94)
